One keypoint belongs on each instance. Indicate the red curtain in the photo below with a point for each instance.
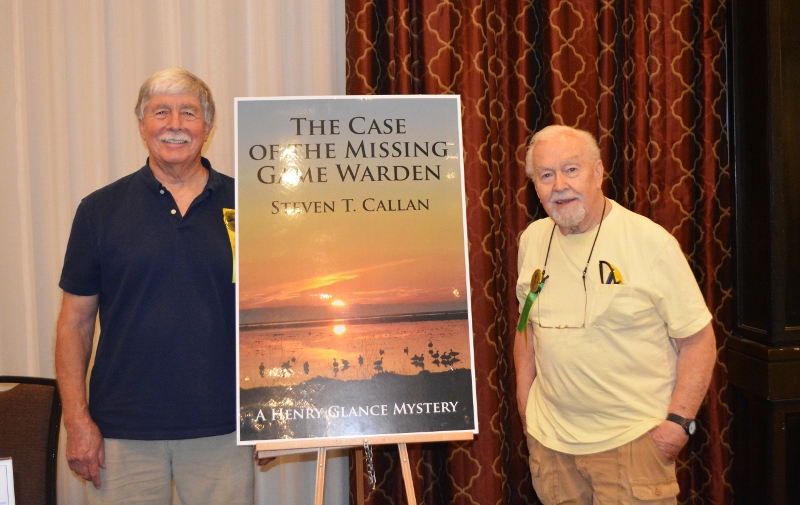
(648, 78)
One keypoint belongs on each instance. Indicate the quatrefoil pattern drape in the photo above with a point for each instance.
(649, 79)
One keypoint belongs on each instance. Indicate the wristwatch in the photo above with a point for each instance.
(688, 425)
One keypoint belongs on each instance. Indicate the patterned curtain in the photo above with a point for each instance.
(648, 78)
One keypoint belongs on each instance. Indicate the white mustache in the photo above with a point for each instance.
(566, 195)
(181, 137)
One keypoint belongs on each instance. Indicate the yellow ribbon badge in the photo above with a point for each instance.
(229, 216)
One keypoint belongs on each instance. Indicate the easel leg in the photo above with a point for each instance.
(320, 490)
(409, 482)
(359, 475)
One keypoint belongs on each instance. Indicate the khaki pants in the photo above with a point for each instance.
(209, 470)
(631, 474)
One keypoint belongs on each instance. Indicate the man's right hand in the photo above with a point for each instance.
(85, 449)
(74, 335)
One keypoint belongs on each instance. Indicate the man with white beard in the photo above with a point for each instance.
(614, 349)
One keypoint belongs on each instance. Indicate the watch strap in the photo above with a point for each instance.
(681, 421)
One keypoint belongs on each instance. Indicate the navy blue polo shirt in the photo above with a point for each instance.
(166, 355)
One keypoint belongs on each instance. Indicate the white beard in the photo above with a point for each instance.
(568, 219)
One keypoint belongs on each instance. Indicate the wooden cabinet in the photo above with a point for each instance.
(763, 356)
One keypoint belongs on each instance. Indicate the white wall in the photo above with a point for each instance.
(69, 74)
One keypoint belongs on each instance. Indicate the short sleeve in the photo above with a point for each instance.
(80, 274)
(677, 296)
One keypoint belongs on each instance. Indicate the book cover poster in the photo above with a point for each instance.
(353, 295)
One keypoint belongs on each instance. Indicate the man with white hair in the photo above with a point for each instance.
(151, 253)
(614, 349)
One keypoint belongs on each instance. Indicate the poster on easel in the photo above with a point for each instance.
(353, 299)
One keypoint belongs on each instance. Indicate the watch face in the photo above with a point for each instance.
(691, 428)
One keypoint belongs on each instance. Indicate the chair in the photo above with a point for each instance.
(30, 418)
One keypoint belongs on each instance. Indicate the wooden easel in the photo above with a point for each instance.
(320, 489)
(278, 448)
(404, 463)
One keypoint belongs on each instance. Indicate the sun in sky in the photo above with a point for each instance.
(337, 303)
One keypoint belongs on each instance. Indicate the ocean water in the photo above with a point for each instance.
(284, 356)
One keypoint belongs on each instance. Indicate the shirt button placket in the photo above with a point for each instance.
(171, 211)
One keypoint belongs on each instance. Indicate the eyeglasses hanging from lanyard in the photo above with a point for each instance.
(536, 287)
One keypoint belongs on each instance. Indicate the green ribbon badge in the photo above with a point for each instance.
(537, 284)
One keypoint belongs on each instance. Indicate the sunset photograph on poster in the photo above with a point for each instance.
(352, 277)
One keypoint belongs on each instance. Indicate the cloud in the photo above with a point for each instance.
(296, 289)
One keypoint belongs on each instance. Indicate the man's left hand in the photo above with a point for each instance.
(669, 438)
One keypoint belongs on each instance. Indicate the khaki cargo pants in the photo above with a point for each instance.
(635, 473)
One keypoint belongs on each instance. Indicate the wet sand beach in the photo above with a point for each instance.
(351, 351)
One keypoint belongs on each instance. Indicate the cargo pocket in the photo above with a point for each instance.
(541, 469)
(542, 480)
(655, 493)
(535, 472)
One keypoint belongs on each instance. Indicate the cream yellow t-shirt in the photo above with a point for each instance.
(604, 385)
